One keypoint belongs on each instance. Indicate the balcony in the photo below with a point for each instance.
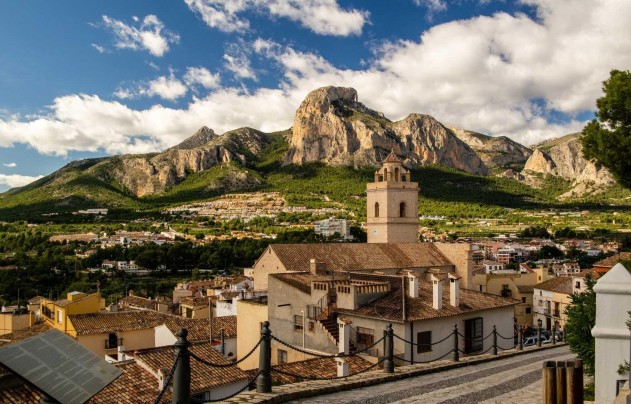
(113, 343)
(556, 313)
(507, 293)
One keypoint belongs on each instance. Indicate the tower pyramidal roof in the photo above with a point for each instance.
(392, 158)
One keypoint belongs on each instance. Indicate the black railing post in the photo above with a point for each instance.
(264, 379)
(456, 356)
(223, 342)
(539, 336)
(521, 338)
(388, 363)
(182, 375)
(494, 340)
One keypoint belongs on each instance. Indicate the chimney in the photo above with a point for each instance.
(162, 375)
(454, 290)
(317, 268)
(412, 285)
(437, 293)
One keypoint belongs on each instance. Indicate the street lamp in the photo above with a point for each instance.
(539, 323)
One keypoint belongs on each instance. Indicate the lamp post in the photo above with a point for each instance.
(539, 323)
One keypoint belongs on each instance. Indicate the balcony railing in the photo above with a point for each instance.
(507, 293)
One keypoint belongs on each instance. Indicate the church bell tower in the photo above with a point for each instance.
(392, 203)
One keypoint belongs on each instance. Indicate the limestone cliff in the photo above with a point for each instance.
(563, 157)
(331, 126)
(149, 174)
(494, 151)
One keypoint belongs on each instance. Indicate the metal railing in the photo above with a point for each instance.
(181, 370)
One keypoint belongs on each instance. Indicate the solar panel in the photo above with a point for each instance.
(59, 366)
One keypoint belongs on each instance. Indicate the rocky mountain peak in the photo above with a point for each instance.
(199, 138)
(333, 127)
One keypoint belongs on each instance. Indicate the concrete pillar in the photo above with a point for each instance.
(613, 302)
(342, 367)
(344, 344)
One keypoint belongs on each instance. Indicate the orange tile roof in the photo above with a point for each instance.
(203, 377)
(198, 329)
(609, 262)
(16, 391)
(100, 323)
(390, 305)
(360, 256)
(135, 385)
(559, 284)
(25, 333)
(302, 280)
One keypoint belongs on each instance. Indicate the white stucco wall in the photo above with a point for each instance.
(613, 303)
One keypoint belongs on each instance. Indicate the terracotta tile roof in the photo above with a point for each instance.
(316, 367)
(35, 300)
(199, 302)
(100, 323)
(525, 288)
(25, 333)
(559, 284)
(203, 377)
(390, 306)
(198, 329)
(135, 385)
(609, 262)
(16, 391)
(360, 256)
(301, 280)
(141, 302)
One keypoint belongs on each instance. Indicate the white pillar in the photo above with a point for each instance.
(613, 302)
(342, 367)
(344, 345)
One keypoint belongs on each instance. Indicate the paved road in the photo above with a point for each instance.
(516, 379)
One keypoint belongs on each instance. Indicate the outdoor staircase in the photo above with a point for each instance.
(329, 323)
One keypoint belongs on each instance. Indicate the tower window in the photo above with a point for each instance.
(376, 209)
(385, 174)
(396, 174)
(403, 178)
(402, 209)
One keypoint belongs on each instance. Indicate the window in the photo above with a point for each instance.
(578, 284)
(480, 286)
(523, 300)
(403, 178)
(311, 326)
(376, 209)
(298, 323)
(60, 315)
(473, 329)
(402, 209)
(281, 356)
(365, 337)
(112, 341)
(528, 310)
(424, 341)
(396, 174)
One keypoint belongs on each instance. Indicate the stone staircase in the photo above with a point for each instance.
(329, 323)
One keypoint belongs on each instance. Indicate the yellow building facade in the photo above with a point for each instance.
(56, 312)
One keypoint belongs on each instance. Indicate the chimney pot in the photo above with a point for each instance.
(437, 296)
(413, 285)
(454, 290)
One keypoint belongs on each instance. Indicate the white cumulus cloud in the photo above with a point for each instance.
(324, 17)
(500, 75)
(15, 180)
(10, 165)
(201, 76)
(148, 34)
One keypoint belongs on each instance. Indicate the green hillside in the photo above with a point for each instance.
(86, 184)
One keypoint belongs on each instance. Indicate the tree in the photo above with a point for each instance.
(608, 139)
(581, 318)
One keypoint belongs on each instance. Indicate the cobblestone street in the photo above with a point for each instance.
(515, 379)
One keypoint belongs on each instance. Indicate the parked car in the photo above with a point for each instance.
(530, 341)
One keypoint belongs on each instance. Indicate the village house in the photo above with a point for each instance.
(56, 312)
(551, 297)
(160, 304)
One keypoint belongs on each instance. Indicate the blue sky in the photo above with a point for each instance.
(86, 79)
